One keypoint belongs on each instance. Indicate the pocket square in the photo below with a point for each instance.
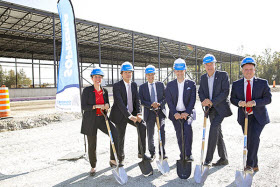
(188, 88)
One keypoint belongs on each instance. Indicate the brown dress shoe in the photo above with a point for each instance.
(256, 169)
(249, 169)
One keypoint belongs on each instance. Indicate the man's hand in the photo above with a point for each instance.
(184, 115)
(133, 118)
(177, 116)
(250, 104)
(207, 102)
(106, 106)
(139, 118)
(242, 104)
(154, 105)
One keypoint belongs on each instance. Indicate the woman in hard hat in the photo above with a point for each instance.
(94, 99)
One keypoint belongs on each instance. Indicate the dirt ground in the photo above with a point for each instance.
(29, 157)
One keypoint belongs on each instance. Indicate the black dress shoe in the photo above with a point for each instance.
(221, 162)
(189, 158)
(249, 169)
(207, 163)
(153, 156)
(121, 163)
(145, 157)
(92, 173)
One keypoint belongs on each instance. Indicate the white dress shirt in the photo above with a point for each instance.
(211, 84)
(150, 90)
(126, 87)
(180, 104)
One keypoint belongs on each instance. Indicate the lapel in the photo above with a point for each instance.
(132, 90)
(176, 90)
(123, 88)
(157, 89)
(147, 91)
(255, 80)
(242, 93)
(207, 87)
(215, 83)
(185, 88)
(93, 93)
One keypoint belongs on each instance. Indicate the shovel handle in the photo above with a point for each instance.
(111, 137)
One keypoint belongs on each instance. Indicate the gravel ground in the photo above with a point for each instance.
(29, 157)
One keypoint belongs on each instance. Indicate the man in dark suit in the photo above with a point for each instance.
(180, 95)
(213, 91)
(254, 94)
(152, 96)
(126, 109)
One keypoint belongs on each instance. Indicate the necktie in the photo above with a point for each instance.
(153, 95)
(248, 96)
(129, 98)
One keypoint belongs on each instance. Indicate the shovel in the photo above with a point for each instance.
(145, 165)
(162, 165)
(184, 168)
(201, 172)
(119, 172)
(242, 178)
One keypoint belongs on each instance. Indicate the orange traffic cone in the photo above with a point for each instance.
(5, 110)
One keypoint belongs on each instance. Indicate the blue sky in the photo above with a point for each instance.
(224, 25)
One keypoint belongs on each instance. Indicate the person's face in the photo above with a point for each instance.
(180, 74)
(248, 71)
(126, 75)
(150, 77)
(96, 79)
(210, 68)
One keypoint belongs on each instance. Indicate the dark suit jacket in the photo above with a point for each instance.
(220, 92)
(119, 111)
(89, 115)
(189, 97)
(144, 95)
(260, 93)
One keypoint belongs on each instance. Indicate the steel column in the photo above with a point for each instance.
(32, 64)
(133, 54)
(99, 45)
(159, 59)
(54, 53)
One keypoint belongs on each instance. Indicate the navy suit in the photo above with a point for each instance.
(189, 98)
(149, 115)
(119, 115)
(217, 112)
(262, 96)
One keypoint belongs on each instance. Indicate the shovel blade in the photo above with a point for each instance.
(199, 175)
(146, 168)
(242, 179)
(184, 169)
(120, 175)
(163, 166)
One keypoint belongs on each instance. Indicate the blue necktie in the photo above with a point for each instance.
(153, 95)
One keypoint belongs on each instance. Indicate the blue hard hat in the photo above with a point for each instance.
(150, 69)
(209, 58)
(179, 64)
(126, 66)
(248, 60)
(97, 71)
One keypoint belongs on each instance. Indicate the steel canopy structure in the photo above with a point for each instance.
(30, 33)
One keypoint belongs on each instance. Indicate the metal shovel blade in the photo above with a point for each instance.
(184, 169)
(146, 168)
(242, 179)
(199, 175)
(120, 175)
(163, 166)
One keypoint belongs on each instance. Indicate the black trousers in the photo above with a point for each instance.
(253, 140)
(151, 123)
(121, 127)
(215, 137)
(101, 125)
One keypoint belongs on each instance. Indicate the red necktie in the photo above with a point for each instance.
(248, 96)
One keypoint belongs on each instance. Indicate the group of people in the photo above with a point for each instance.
(180, 95)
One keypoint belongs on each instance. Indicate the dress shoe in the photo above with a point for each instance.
(256, 169)
(207, 163)
(153, 156)
(189, 158)
(112, 164)
(145, 157)
(221, 162)
(92, 172)
(249, 169)
(121, 163)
